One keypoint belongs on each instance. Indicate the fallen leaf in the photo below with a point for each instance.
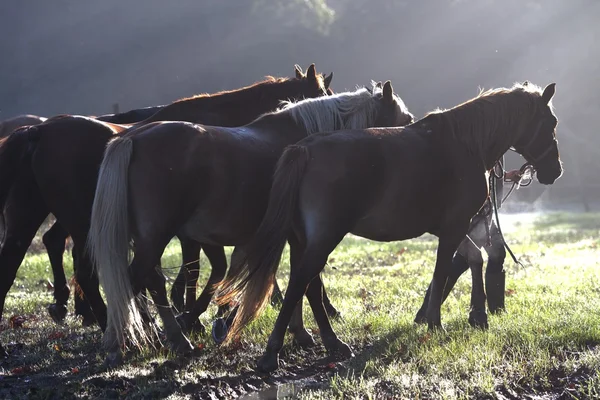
(17, 321)
(201, 346)
(75, 370)
(510, 292)
(56, 335)
(331, 365)
(425, 338)
(57, 347)
(401, 251)
(21, 370)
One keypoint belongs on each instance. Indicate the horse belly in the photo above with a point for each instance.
(385, 227)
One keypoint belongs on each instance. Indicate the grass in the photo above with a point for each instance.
(546, 344)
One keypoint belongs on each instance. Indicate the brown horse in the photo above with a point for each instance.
(387, 184)
(52, 168)
(209, 184)
(9, 125)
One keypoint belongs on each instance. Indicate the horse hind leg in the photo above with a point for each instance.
(218, 262)
(302, 337)
(334, 346)
(23, 215)
(145, 272)
(312, 262)
(54, 241)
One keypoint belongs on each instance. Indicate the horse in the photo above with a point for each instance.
(209, 184)
(131, 116)
(52, 168)
(7, 126)
(386, 184)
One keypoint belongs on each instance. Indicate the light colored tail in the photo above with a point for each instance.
(108, 243)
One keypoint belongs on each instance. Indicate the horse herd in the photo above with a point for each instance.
(281, 161)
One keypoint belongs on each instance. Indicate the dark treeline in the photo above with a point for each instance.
(69, 56)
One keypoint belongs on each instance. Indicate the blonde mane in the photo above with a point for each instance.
(347, 110)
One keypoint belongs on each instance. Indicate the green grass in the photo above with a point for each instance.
(545, 344)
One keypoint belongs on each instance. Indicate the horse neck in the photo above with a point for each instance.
(234, 108)
(494, 141)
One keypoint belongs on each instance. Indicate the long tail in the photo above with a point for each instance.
(108, 243)
(254, 277)
(15, 154)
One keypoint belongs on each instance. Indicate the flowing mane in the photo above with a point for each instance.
(346, 110)
(477, 122)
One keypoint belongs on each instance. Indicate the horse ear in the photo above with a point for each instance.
(327, 80)
(379, 85)
(298, 70)
(549, 92)
(311, 72)
(388, 91)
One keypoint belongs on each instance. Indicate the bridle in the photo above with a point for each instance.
(526, 152)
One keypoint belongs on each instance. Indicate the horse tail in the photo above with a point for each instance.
(15, 154)
(108, 243)
(255, 276)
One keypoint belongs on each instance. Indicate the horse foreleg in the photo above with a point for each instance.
(477, 314)
(495, 276)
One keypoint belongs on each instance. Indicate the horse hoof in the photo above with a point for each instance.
(497, 310)
(268, 363)
(420, 319)
(182, 346)
(340, 350)
(478, 320)
(89, 320)
(198, 328)
(57, 312)
(435, 327)
(113, 360)
(303, 339)
(333, 313)
(219, 330)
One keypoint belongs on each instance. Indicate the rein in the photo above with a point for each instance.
(525, 167)
(521, 179)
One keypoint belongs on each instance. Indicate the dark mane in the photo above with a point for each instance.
(199, 107)
(475, 122)
(268, 79)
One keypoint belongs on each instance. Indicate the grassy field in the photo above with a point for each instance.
(545, 346)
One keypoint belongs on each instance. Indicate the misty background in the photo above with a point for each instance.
(81, 57)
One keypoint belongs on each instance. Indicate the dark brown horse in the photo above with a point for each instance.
(52, 168)
(9, 125)
(386, 185)
(205, 183)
